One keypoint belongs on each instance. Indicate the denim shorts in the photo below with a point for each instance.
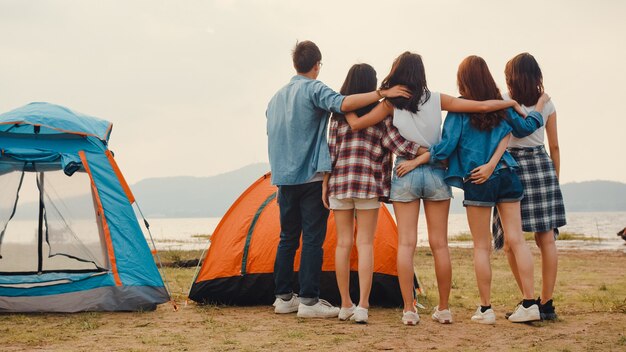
(424, 182)
(505, 187)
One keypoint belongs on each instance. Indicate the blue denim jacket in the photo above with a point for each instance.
(297, 119)
(466, 147)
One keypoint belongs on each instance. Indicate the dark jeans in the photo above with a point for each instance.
(301, 213)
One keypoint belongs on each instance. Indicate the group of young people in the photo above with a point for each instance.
(491, 146)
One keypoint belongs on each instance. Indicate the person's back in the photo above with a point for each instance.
(423, 126)
(467, 147)
(297, 118)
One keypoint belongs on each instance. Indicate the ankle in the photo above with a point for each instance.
(527, 303)
(485, 308)
(365, 305)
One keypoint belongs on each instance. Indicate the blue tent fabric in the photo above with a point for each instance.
(133, 282)
(54, 119)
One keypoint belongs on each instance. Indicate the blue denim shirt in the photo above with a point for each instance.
(297, 120)
(466, 147)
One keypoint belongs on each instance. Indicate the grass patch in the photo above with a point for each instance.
(570, 236)
(462, 237)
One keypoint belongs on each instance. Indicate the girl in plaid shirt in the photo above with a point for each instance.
(361, 164)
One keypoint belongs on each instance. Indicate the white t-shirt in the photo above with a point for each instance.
(423, 127)
(537, 138)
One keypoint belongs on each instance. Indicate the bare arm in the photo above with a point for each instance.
(378, 113)
(482, 173)
(357, 101)
(406, 166)
(553, 141)
(453, 104)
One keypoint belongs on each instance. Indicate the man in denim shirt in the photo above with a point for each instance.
(297, 119)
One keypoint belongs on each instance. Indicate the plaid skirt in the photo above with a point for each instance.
(542, 206)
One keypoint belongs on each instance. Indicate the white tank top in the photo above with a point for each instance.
(424, 126)
(537, 138)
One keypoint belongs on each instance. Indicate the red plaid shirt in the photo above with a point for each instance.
(361, 159)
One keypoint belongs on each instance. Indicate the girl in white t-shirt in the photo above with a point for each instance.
(418, 119)
(542, 208)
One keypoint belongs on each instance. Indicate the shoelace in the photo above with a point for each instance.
(325, 303)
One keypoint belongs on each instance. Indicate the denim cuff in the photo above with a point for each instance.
(285, 296)
(308, 301)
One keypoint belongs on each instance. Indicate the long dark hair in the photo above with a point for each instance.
(524, 79)
(361, 78)
(475, 82)
(408, 70)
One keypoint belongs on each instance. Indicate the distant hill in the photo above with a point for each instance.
(211, 196)
(185, 196)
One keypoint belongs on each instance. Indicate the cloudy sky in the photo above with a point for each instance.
(186, 83)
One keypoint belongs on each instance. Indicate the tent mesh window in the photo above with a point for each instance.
(49, 223)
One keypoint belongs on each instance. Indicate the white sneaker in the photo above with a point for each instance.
(321, 309)
(521, 314)
(442, 316)
(283, 307)
(360, 315)
(346, 313)
(410, 318)
(488, 317)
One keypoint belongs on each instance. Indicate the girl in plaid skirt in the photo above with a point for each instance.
(542, 208)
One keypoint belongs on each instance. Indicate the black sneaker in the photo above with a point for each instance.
(547, 310)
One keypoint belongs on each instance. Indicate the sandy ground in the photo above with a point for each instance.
(591, 304)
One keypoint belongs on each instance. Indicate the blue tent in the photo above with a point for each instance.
(69, 237)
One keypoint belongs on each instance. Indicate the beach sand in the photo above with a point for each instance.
(590, 300)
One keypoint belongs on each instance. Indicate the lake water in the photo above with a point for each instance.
(188, 233)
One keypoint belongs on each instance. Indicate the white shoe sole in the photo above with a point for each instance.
(279, 310)
(410, 323)
(442, 321)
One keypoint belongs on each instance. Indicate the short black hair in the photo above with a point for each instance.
(305, 55)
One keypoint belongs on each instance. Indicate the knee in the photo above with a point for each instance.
(438, 243)
(544, 239)
(344, 242)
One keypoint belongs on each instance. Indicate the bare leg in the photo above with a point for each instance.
(549, 263)
(437, 221)
(366, 227)
(512, 225)
(344, 221)
(479, 222)
(510, 256)
(406, 216)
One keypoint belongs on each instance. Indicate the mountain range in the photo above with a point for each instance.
(211, 196)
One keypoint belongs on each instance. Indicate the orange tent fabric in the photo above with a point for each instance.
(243, 246)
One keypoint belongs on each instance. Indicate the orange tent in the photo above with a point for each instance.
(239, 264)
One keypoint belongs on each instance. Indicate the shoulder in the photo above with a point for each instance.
(550, 108)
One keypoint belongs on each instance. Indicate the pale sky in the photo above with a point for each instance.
(186, 83)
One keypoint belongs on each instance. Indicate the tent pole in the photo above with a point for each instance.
(40, 227)
(167, 285)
